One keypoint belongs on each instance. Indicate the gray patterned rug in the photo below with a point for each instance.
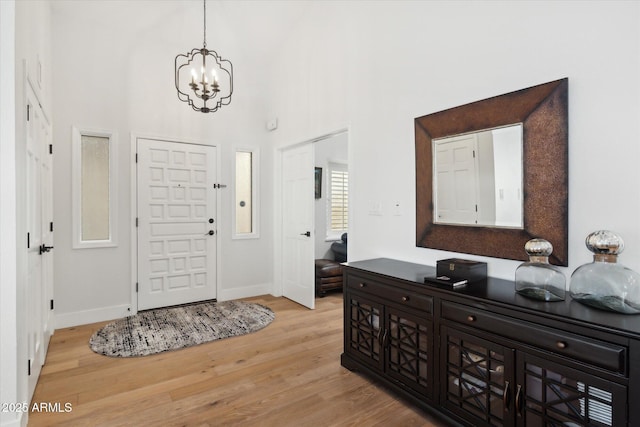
(164, 329)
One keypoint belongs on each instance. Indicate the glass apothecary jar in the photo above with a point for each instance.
(537, 278)
(604, 283)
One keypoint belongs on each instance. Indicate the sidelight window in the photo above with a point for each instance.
(94, 188)
(245, 218)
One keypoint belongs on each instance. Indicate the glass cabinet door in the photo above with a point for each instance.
(554, 394)
(363, 329)
(477, 379)
(409, 341)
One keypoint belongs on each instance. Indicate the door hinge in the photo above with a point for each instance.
(51, 226)
(28, 240)
(474, 154)
(136, 221)
(136, 287)
(476, 208)
(136, 157)
(28, 110)
(29, 367)
(50, 148)
(51, 304)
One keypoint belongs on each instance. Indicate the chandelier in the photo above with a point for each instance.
(203, 79)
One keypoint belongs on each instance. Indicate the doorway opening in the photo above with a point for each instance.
(314, 213)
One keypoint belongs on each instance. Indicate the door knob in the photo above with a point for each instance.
(308, 234)
(211, 233)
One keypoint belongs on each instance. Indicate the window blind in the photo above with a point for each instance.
(339, 186)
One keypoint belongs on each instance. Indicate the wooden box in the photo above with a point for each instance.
(462, 269)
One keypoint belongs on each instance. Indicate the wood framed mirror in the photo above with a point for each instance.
(543, 112)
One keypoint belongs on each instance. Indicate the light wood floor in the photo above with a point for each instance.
(287, 374)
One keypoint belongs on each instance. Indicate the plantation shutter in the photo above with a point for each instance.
(339, 186)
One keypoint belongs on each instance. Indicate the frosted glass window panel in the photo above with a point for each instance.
(95, 188)
(244, 192)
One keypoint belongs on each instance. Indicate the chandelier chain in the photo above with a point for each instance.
(205, 23)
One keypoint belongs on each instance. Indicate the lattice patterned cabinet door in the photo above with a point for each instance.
(409, 347)
(364, 329)
(477, 381)
(559, 395)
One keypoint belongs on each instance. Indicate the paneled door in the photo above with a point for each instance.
(457, 182)
(297, 225)
(39, 195)
(177, 224)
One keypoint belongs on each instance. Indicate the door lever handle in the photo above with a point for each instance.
(308, 234)
(210, 233)
(44, 248)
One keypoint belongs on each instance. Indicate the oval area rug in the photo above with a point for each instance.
(164, 329)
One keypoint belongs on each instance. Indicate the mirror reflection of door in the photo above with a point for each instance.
(478, 178)
(456, 181)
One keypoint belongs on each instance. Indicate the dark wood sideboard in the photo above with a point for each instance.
(482, 355)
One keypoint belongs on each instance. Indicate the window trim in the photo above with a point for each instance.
(76, 192)
(255, 194)
(332, 235)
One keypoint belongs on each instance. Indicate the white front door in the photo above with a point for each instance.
(177, 224)
(297, 225)
(39, 238)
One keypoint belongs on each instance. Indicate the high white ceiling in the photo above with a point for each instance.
(258, 25)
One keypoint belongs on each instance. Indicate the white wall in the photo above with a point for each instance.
(113, 65)
(371, 67)
(24, 40)
(330, 150)
(377, 65)
(12, 385)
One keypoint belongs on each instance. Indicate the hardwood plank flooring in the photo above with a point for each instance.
(287, 374)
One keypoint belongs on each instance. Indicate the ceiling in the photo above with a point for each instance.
(261, 24)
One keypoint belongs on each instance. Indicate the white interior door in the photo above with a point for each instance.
(39, 239)
(177, 224)
(297, 225)
(457, 184)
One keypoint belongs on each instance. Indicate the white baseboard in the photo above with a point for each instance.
(14, 419)
(76, 318)
(245, 292)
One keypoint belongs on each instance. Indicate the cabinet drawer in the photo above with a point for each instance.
(390, 294)
(598, 353)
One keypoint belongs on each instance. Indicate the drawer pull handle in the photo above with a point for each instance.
(362, 285)
(561, 345)
(405, 299)
(471, 318)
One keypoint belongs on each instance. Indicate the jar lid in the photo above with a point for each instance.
(538, 247)
(605, 242)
